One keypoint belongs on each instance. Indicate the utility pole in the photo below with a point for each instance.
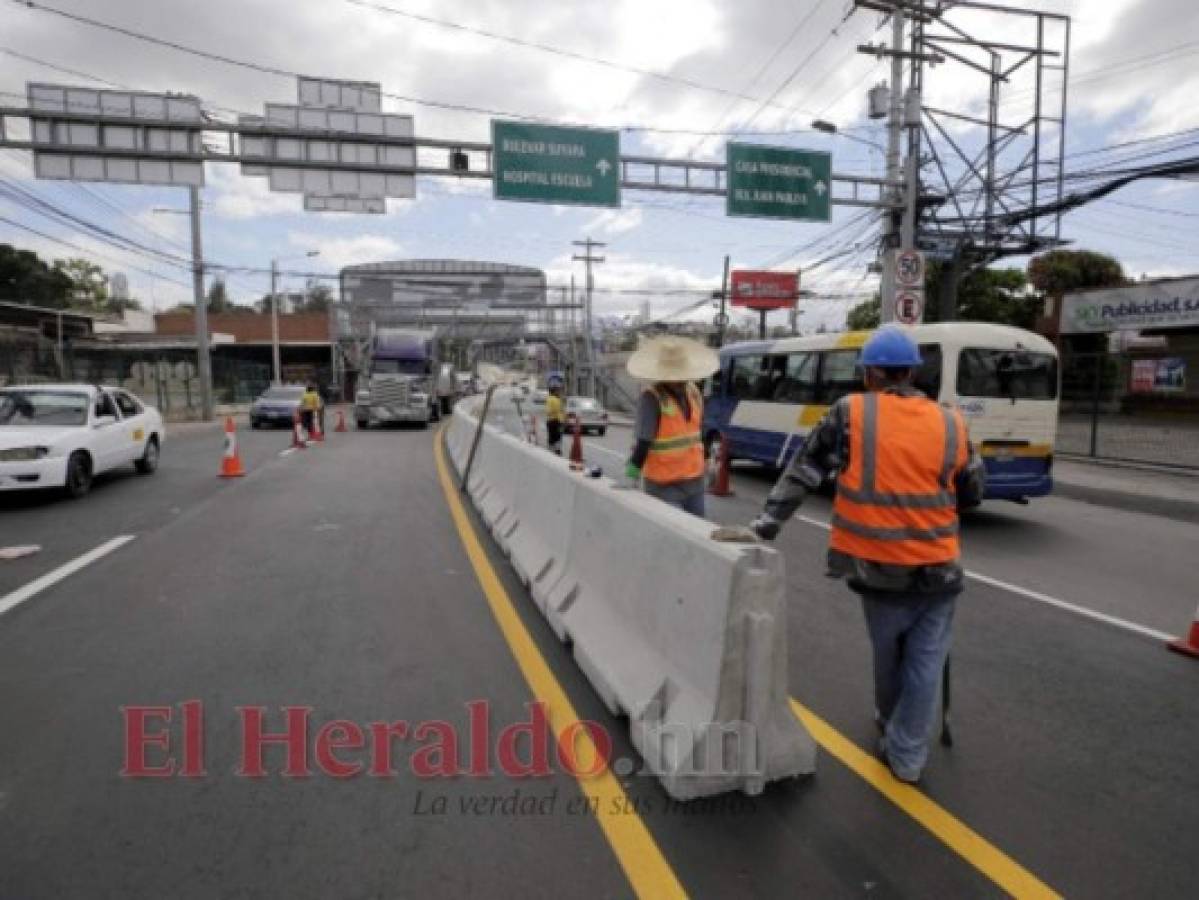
(203, 359)
(589, 258)
(722, 318)
(902, 176)
(276, 364)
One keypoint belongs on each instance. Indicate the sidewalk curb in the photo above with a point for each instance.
(1166, 507)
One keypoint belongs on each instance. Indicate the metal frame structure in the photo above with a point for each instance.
(221, 143)
(984, 185)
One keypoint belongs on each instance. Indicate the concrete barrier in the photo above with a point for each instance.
(683, 635)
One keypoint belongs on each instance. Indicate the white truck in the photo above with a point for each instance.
(398, 384)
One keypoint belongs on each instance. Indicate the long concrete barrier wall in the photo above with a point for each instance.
(683, 635)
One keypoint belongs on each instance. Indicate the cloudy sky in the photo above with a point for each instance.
(671, 73)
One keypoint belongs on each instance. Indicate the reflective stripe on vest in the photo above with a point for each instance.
(676, 452)
(896, 501)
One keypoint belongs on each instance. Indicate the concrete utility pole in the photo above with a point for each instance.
(891, 236)
(588, 258)
(203, 358)
(276, 363)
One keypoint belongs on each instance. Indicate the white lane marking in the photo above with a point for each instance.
(1135, 628)
(20, 595)
(288, 451)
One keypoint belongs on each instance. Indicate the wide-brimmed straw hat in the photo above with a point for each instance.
(672, 359)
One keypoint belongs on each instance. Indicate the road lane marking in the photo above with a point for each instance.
(646, 868)
(21, 594)
(951, 831)
(1038, 597)
(288, 451)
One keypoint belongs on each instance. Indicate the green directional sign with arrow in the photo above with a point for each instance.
(779, 183)
(552, 164)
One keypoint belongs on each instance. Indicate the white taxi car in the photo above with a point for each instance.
(63, 435)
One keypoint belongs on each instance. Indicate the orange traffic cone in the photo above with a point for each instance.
(720, 486)
(576, 445)
(231, 466)
(532, 434)
(317, 435)
(1188, 645)
(297, 433)
(341, 421)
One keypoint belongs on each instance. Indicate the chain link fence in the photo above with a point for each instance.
(1130, 406)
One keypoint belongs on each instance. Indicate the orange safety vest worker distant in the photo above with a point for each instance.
(668, 449)
(904, 467)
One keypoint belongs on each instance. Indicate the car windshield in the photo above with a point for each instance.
(284, 393)
(582, 403)
(42, 409)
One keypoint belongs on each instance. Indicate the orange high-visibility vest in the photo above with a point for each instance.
(896, 501)
(676, 454)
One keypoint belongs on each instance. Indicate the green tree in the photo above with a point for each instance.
(317, 298)
(89, 284)
(1059, 271)
(218, 297)
(1000, 296)
(865, 315)
(26, 278)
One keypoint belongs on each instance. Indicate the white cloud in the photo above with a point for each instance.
(615, 221)
(235, 196)
(338, 252)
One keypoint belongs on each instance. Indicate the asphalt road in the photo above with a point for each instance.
(335, 579)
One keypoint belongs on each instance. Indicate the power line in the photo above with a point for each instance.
(288, 73)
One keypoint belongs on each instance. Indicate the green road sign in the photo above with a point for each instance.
(550, 164)
(779, 183)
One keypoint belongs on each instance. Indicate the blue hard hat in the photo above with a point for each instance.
(890, 348)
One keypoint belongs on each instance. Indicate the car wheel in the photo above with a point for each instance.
(149, 461)
(363, 424)
(602, 431)
(255, 424)
(79, 475)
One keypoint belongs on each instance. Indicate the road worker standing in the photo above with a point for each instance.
(555, 416)
(668, 448)
(904, 467)
(310, 407)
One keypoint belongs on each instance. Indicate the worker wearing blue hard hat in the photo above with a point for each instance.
(904, 467)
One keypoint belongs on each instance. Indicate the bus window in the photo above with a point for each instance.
(928, 376)
(774, 369)
(1010, 374)
(799, 381)
(745, 371)
(839, 375)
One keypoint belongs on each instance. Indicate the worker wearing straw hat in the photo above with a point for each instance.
(668, 450)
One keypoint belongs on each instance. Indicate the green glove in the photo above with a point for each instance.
(632, 472)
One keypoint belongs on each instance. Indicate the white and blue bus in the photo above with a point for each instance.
(768, 395)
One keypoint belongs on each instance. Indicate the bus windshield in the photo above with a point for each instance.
(1010, 374)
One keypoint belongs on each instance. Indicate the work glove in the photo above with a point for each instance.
(765, 526)
(734, 534)
(632, 472)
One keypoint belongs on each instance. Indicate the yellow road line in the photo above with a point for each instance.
(955, 834)
(644, 865)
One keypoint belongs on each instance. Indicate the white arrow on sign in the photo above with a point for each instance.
(603, 165)
(820, 188)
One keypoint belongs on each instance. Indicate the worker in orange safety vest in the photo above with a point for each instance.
(668, 450)
(904, 467)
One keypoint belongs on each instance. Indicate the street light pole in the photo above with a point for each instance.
(203, 358)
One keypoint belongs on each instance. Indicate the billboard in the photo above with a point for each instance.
(444, 283)
(1159, 376)
(1172, 303)
(764, 290)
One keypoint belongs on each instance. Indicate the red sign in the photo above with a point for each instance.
(765, 290)
(909, 307)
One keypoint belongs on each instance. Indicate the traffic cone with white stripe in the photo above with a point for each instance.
(317, 435)
(297, 433)
(720, 484)
(231, 466)
(341, 421)
(576, 445)
(1188, 645)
